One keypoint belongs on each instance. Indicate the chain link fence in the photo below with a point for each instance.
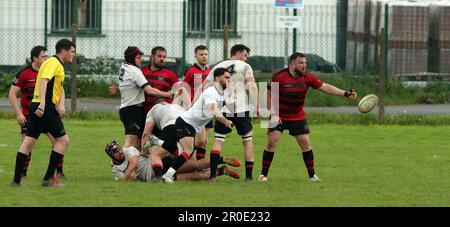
(342, 40)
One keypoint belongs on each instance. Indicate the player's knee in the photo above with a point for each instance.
(305, 144)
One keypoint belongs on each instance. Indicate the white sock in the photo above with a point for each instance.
(170, 172)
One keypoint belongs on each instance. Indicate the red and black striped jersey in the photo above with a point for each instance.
(26, 81)
(162, 80)
(195, 73)
(292, 93)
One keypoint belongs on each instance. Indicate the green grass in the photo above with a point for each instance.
(367, 165)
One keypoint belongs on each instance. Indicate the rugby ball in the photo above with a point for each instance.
(367, 103)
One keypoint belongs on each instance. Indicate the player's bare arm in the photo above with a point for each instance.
(253, 90)
(61, 105)
(219, 116)
(148, 130)
(12, 96)
(42, 92)
(130, 173)
(155, 92)
(332, 90)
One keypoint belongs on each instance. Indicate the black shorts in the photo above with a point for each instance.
(50, 122)
(295, 127)
(210, 124)
(241, 121)
(184, 129)
(169, 135)
(133, 119)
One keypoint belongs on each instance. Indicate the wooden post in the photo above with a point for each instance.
(225, 42)
(381, 79)
(73, 77)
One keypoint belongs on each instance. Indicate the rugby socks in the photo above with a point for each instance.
(59, 166)
(157, 169)
(21, 158)
(180, 160)
(266, 162)
(54, 159)
(308, 158)
(248, 170)
(200, 153)
(25, 166)
(214, 159)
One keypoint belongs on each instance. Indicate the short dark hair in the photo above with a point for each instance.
(200, 47)
(238, 48)
(219, 72)
(36, 51)
(64, 44)
(158, 48)
(295, 56)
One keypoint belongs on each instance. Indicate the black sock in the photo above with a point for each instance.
(158, 169)
(59, 167)
(214, 161)
(267, 160)
(21, 158)
(248, 169)
(54, 159)
(25, 166)
(180, 160)
(200, 153)
(308, 158)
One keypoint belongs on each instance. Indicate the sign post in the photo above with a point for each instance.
(288, 22)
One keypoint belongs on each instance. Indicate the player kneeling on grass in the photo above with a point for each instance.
(293, 83)
(128, 164)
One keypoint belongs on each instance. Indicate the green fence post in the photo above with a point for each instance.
(45, 22)
(341, 33)
(183, 60)
(294, 37)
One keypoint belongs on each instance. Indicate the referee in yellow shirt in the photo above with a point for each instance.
(46, 110)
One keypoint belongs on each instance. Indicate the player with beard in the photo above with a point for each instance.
(293, 83)
(158, 76)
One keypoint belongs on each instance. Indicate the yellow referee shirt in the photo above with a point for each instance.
(53, 70)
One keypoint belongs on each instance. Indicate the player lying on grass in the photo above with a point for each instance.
(128, 165)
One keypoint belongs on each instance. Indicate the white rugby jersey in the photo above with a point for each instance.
(131, 81)
(163, 114)
(143, 171)
(236, 98)
(200, 114)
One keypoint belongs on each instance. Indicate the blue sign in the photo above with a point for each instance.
(289, 3)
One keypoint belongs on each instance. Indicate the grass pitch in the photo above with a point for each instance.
(359, 166)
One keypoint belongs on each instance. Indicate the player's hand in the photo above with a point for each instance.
(113, 88)
(351, 94)
(40, 110)
(133, 175)
(21, 119)
(61, 110)
(229, 124)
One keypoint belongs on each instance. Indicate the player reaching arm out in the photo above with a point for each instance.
(332, 90)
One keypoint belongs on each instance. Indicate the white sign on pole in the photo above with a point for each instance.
(289, 3)
(288, 21)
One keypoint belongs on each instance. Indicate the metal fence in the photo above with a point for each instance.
(341, 37)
